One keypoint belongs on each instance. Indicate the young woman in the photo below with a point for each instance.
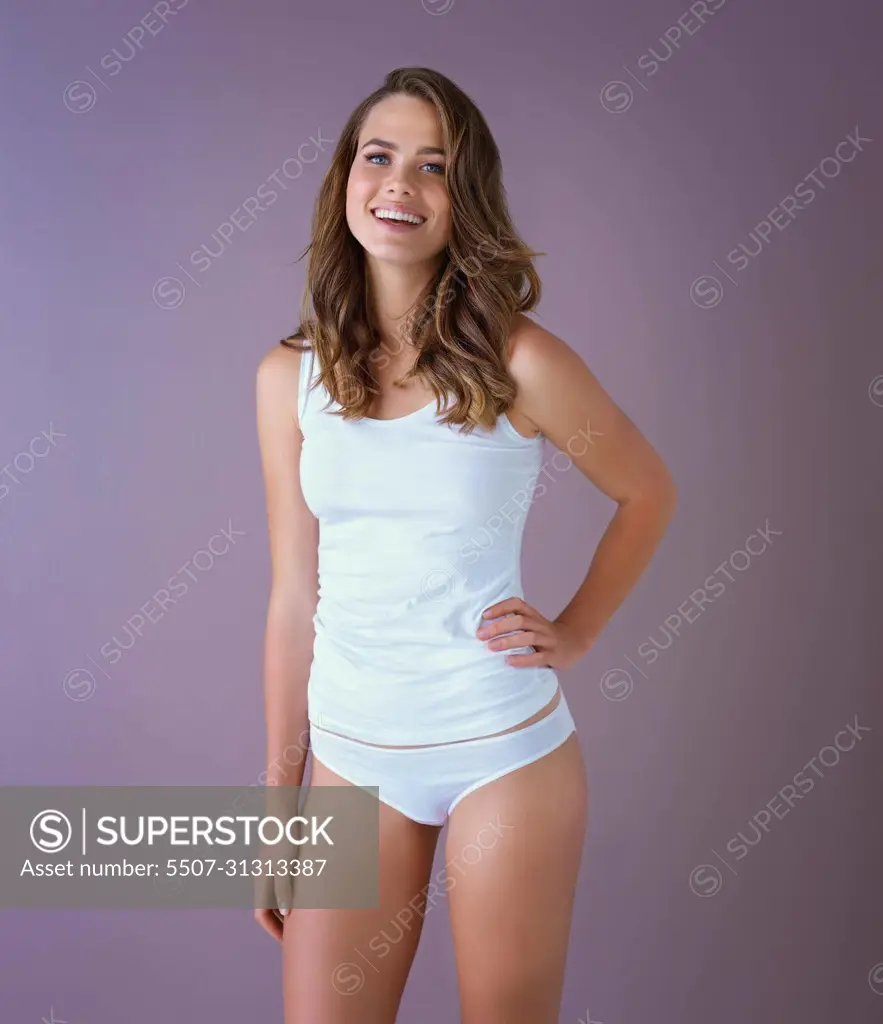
(402, 429)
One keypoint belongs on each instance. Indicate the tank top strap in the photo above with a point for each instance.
(307, 373)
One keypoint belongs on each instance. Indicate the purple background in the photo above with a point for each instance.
(767, 406)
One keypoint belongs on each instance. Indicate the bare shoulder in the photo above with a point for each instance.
(544, 367)
(564, 400)
(532, 346)
(278, 377)
(281, 361)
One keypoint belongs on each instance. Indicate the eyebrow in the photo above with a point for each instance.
(391, 145)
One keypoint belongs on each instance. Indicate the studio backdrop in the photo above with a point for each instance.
(704, 181)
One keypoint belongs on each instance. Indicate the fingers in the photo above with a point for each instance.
(525, 627)
(519, 620)
(511, 604)
(270, 922)
(521, 639)
(284, 892)
(540, 659)
(269, 897)
(500, 608)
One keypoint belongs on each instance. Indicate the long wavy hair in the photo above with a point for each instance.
(461, 322)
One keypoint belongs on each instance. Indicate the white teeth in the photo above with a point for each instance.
(393, 215)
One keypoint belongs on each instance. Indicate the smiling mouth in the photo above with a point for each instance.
(397, 220)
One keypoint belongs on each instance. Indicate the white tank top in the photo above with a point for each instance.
(420, 530)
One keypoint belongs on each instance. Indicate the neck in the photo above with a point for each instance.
(393, 290)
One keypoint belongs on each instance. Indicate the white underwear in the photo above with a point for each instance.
(426, 783)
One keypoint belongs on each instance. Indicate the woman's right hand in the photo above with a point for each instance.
(271, 921)
(274, 886)
(275, 890)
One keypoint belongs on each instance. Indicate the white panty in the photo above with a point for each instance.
(427, 783)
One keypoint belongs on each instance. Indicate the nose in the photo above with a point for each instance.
(398, 180)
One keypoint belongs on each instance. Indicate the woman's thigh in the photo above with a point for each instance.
(513, 853)
(343, 966)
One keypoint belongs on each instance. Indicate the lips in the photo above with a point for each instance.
(397, 208)
(393, 226)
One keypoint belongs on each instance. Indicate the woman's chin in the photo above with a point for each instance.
(396, 254)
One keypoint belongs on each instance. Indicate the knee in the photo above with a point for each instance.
(532, 998)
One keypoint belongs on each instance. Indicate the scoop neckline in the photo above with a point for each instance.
(508, 424)
(504, 417)
(398, 419)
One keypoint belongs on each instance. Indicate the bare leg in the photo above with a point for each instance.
(512, 904)
(350, 966)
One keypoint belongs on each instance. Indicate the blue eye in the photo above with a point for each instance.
(382, 156)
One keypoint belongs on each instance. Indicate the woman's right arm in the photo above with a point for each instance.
(293, 535)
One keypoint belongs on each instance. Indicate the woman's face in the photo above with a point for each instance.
(400, 166)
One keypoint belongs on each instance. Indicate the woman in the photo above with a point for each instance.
(401, 431)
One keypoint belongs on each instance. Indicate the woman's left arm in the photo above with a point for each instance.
(560, 395)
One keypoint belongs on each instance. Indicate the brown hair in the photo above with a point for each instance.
(460, 324)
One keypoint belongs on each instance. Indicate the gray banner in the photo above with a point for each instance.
(189, 846)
